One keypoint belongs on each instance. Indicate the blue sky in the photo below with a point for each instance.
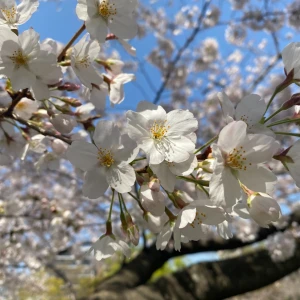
(59, 21)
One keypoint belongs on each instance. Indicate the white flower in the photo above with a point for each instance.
(25, 64)
(114, 66)
(83, 55)
(155, 224)
(116, 93)
(192, 220)
(239, 157)
(167, 171)
(107, 246)
(35, 144)
(291, 59)
(162, 136)
(98, 96)
(107, 162)
(103, 15)
(59, 147)
(63, 123)
(25, 108)
(12, 15)
(84, 111)
(152, 201)
(250, 110)
(209, 50)
(165, 235)
(263, 209)
(48, 161)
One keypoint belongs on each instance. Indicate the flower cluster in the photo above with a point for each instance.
(184, 192)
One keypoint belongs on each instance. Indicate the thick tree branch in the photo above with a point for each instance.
(217, 280)
(140, 269)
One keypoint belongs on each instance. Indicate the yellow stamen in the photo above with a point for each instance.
(9, 14)
(106, 9)
(105, 158)
(159, 130)
(18, 58)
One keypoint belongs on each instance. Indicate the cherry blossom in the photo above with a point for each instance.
(239, 157)
(103, 15)
(106, 162)
(162, 136)
(83, 55)
(13, 15)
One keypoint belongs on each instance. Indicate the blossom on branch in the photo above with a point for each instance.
(106, 162)
(103, 15)
(162, 136)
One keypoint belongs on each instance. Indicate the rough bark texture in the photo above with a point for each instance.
(216, 280)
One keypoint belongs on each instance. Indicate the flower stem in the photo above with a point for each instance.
(273, 115)
(196, 181)
(287, 133)
(138, 201)
(206, 144)
(271, 99)
(169, 214)
(61, 56)
(111, 205)
(284, 121)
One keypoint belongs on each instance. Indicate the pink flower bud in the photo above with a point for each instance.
(69, 87)
(154, 184)
(295, 100)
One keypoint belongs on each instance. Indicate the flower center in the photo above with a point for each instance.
(84, 62)
(21, 105)
(18, 58)
(105, 158)
(9, 14)
(159, 130)
(237, 160)
(106, 9)
(198, 219)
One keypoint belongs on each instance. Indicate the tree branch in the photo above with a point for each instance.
(180, 52)
(141, 268)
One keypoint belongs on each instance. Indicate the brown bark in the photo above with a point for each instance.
(216, 280)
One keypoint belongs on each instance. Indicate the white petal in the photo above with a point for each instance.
(232, 135)
(227, 106)
(121, 177)
(181, 122)
(95, 183)
(106, 135)
(83, 155)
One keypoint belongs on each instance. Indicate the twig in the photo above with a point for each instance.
(61, 56)
(180, 52)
